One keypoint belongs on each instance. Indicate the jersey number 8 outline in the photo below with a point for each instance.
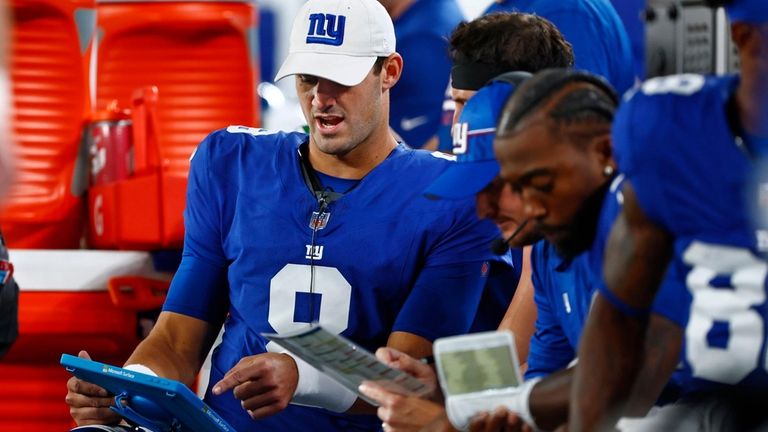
(711, 304)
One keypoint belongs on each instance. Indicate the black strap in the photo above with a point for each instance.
(310, 176)
(312, 180)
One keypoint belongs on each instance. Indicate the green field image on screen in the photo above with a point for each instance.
(477, 370)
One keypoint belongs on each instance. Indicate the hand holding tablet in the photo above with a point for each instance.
(155, 403)
(478, 372)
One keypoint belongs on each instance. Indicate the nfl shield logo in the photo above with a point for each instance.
(319, 220)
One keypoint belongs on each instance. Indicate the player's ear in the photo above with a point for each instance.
(602, 148)
(740, 33)
(747, 38)
(391, 71)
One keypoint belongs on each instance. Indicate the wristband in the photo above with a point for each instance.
(462, 409)
(525, 404)
(316, 389)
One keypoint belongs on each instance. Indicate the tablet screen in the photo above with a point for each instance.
(478, 369)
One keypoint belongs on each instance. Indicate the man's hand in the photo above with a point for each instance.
(88, 403)
(264, 383)
(421, 371)
(440, 424)
(500, 420)
(401, 413)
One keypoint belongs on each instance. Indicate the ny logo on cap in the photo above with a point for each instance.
(460, 133)
(326, 29)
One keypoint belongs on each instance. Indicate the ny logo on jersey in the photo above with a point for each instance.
(314, 252)
(460, 132)
(327, 29)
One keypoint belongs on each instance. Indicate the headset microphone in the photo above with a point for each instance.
(500, 246)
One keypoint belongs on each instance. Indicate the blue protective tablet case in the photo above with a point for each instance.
(159, 404)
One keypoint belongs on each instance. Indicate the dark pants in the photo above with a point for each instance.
(9, 315)
(9, 307)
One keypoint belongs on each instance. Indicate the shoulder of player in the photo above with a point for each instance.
(435, 159)
(412, 173)
(646, 109)
(417, 169)
(232, 139)
(675, 90)
(246, 135)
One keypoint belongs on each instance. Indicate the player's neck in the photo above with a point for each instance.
(359, 161)
(752, 101)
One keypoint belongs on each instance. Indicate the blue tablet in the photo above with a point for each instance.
(159, 404)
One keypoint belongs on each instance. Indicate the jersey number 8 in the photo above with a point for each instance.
(717, 304)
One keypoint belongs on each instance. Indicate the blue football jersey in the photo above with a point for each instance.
(600, 41)
(691, 176)
(250, 251)
(563, 291)
(500, 286)
(422, 39)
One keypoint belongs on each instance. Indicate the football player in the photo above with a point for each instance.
(554, 148)
(690, 147)
(287, 229)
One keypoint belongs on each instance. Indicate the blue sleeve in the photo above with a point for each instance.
(199, 290)
(550, 349)
(497, 294)
(461, 238)
(417, 99)
(669, 298)
(443, 301)
(199, 287)
(445, 294)
(636, 133)
(202, 220)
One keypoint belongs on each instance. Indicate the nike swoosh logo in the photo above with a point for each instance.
(412, 123)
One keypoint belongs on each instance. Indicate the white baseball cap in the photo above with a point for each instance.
(338, 40)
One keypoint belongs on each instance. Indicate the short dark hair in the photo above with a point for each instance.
(513, 41)
(595, 103)
(378, 65)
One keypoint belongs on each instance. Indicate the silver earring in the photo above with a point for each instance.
(608, 171)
